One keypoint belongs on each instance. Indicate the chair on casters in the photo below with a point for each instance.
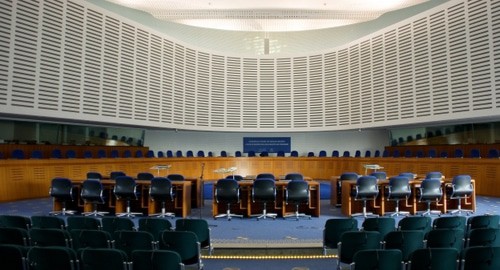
(297, 192)
(61, 190)
(430, 191)
(227, 191)
(460, 189)
(125, 189)
(92, 192)
(366, 189)
(161, 190)
(264, 191)
(398, 190)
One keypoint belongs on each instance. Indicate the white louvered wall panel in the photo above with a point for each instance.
(75, 61)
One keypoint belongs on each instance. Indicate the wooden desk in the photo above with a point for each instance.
(248, 208)
(181, 205)
(381, 205)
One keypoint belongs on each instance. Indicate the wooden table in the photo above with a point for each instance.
(248, 208)
(381, 205)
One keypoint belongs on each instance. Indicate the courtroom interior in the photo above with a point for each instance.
(296, 135)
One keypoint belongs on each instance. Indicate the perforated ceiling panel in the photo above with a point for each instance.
(73, 61)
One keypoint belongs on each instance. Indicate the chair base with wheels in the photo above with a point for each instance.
(297, 215)
(397, 212)
(228, 214)
(128, 213)
(265, 214)
(63, 211)
(163, 213)
(429, 211)
(364, 213)
(94, 212)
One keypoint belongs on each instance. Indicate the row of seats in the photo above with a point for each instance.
(58, 154)
(411, 234)
(399, 190)
(82, 233)
(263, 191)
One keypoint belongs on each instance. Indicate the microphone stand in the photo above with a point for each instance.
(202, 188)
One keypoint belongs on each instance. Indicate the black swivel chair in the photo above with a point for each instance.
(398, 190)
(264, 191)
(227, 191)
(294, 176)
(460, 189)
(145, 176)
(94, 176)
(125, 189)
(265, 175)
(430, 191)
(92, 192)
(175, 177)
(344, 176)
(297, 193)
(366, 189)
(115, 174)
(161, 190)
(61, 189)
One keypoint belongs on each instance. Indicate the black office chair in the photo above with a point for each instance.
(265, 176)
(227, 191)
(94, 176)
(92, 192)
(264, 191)
(297, 193)
(115, 174)
(398, 190)
(366, 189)
(430, 192)
(294, 153)
(294, 176)
(125, 189)
(460, 189)
(61, 190)
(161, 190)
(145, 176)
(175, 177)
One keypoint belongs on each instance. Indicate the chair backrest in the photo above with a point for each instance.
(399, 188)
(129, 241)
(380, 175)
(139, 154)
(237, 154)
(483, 221)
(115, 174)
(493, 153)
(406, 240)
(178, 153)
(450, 222)
(101, 153)
(83, 223)
(15, 221)
(189, 153)
(169, 153)
(383, 225)
(475, 153)
(47, 222)
(185, 243)
(436, 175)
(103, 259)
(223, 153)
(430, 190)
(161, 189)
(322, 153)
(432, 153)
(14, 236)
(422, 223)
(56, 153)
(61, 188)
(92, 191)
(265, 175)
(483, 258)
(387, 259)
(310, 154)
(175, 177)
(368, 153)
(156, 259)
(335, 153)
(335, 227)
(50, 237)
(484, 237)
(264, 190)
(251, 153)
(280, 153)
(145, 176)
(445, 238)
(200, 153)
(357, 153)
(349, 176)
(113, 224)
(13, 257)
(155, 226)
(49, 258)
(160, 154)
(227, 191)
(94, 175)
(127, 153)
(83, 238)
(17, 154)
(366, 188)
(408, 175)
(71, 153)
(346, 154)
(434, 258)
(297, 191)
(294, 176)
(150, 154)
(459, 153)
(36, 154)
(377, 153)
(353, 241)
(197, 226)
(125, 187)
(461, 186)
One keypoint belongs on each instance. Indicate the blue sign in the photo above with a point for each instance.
(266, 144)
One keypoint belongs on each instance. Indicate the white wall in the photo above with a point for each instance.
(160, 140)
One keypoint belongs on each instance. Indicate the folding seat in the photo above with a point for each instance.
(103, 259)
(405, 240)
(334, 228)
(112, 224)
(129, 241)
(155, 226)
(387, 259)
(152, 259)
(434, 258)
(50, 258)
(200, 228)
(15, 221)
(186, 244)
(83, 222)
(82, 238)
(50, 237)
(352, 242)
(13, 257)
(383, 225)
(14, 236)
(48, 222)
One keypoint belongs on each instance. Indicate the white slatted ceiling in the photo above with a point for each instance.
(72, 60)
